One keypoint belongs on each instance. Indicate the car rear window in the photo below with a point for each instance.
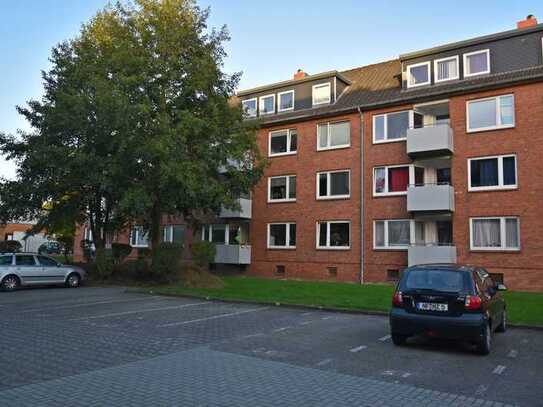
(5, 260)
(432, 279)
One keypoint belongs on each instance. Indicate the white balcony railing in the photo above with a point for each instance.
(244, 212)
(422, 254)
(430, 197)
(431, 140)
(232, 254)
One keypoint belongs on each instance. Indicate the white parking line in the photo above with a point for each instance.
(385, 338)
(328, 317)
(89, 303)
(117, 314)
(324, 362)
(231, 314)
(253, 335)
(281, 329)
(499, 369)
(305, 322)
(513, 353)
(306, 314)
(358, 348)
(406, 375)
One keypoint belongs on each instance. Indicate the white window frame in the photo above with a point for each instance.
(498, 114)
(288, 152)
(466, 65)
(503, 239)
(210, 230)
(387, 246)
(165, 233)
(261, 104)
(256, 107)
(328, 147)
(329, 187)
(386, 167)
(328, 247)
(428, 82)
(279, 101)
(321, 85)
(500, 186)
(287, 236)
(385, 126)
(437, 61)
(270, 200)
(136, 229)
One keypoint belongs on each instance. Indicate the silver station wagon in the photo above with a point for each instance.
(27, 269)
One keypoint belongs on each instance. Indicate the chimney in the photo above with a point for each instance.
(300, 74)
(529, 22)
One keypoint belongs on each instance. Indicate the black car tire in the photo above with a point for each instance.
(503, 323)
(10, 283)
(398, 339)
(486, 341)
(73, 280)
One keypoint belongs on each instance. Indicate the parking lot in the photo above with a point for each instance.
(105, 346)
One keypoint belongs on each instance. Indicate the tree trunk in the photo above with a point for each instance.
(154, 230)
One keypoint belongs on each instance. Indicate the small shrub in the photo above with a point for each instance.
(166, 260)
(137, 270)
(193, 276)
(203, 253)
(88, 249)
(120, 251)
(104, 263)
(143, 253)
(10, 246)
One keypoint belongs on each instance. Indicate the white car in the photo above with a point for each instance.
(27, 269)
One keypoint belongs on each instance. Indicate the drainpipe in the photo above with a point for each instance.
(362, 240)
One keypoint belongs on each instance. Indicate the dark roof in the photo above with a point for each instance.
(472, 41)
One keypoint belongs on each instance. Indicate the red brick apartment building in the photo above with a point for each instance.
(428, 158)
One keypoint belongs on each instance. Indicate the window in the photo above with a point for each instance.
(333, 184)
(282, 189)
(6, 260)
(394, 180)
(249, 107)
(477, 63)
(418, 74)
(282, 236)
(286, 101)
(333, 135)
(24, 260)
(334, 235)
(283, 142)
(500, 233)
(321, 94)
(488, 173)
(139, 237)
(392, 126)
(491, 113)
(396, 234)
(47, 261)
(87, 234)
(267, 104)
(446, 69)
(174, 233)
(215, 233)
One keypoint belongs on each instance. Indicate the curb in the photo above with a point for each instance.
(297, 306)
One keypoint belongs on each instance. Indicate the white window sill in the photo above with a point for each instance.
(271, 201)
(391, 248)
(385, 194)
(333, 247)
(418, 85)
(320, 103)
(470, 75)
(281, 247)
(290, 109)
(139, 246)
(446, 80)
(490, 189)
(282, 154)
(389, 141)
(494, 249)
(334, 147)
(331, 198)
(482, 129)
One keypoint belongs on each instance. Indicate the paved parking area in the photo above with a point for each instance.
(103, 346)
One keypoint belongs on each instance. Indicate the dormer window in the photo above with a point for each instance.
(321, 94)
(477, 63)
(285, 101)
(267, 104)
(249, 107)
(418, 74)
(446, 69)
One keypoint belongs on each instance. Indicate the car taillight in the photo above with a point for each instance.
(397, 299)
(473, 302)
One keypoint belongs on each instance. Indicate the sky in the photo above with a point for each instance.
(270, 39)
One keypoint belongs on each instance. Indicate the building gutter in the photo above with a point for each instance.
(362, 240)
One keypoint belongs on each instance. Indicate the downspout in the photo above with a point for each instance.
(362, 240)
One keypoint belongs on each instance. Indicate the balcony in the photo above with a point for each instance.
(430, 198)
(244, 212)
(430, 141)
(430, 254)
(232, 254)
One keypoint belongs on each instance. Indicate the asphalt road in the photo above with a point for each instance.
(103, 346)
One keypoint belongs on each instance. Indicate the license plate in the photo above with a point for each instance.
(432, 306)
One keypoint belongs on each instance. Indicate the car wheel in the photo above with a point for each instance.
(486, 341)
(73, 280)
(503, 323)
(10, 283)
(398, 339)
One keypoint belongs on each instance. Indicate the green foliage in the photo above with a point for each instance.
(203, 253)
(144, 253)
(10, 246)
(104, 263)
(87, 248)
(167, 260)
(137, 270)
(120, 251)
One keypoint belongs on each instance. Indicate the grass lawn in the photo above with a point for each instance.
(523, 308)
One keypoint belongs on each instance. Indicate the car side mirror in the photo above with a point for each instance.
(501, 287)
